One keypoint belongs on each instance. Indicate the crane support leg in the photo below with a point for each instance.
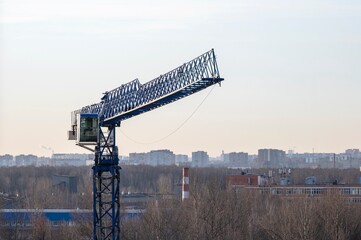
(106, 187)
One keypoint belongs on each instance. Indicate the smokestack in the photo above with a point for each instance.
(185, 183)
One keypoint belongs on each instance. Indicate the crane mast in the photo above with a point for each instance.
(93, 127)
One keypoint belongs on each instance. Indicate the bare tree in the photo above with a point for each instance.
(339, 219)
(41, 228)
(164, 184)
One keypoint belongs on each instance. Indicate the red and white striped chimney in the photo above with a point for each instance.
(185, 184)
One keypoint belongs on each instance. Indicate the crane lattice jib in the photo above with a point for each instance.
(134, 98)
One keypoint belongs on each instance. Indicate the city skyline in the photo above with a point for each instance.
(290, 152)
(266, 158)
(292, 79)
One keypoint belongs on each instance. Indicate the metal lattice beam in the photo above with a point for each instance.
(133, 98)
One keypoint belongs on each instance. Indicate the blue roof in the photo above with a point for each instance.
(52, 215)
(61, 215)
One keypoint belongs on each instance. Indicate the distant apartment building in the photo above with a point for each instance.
(236, 159)
(271, 157)
(181, 158)
(138, 158)
(6, 160)
(25, 160)
(313, 158)
(44, 161)
(353, 153)
(349, 159)
(200, 159)
(310, 158)
(155, 158)
(161, 157)
(61, 159)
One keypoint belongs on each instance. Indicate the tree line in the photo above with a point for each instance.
(213, 211)
(217, 212)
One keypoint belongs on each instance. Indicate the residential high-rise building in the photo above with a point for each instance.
(181, 158)
(6, 160)
(236, 159)
(200, 159)
(138, 158)
(25, 160)
(271, 157)
(65, 159)
(161, 157)
(354, 153)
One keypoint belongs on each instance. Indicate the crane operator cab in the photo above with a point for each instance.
(85, 128)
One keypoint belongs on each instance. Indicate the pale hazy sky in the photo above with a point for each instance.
(292, 72)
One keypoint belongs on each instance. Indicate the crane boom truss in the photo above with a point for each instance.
(134, 98)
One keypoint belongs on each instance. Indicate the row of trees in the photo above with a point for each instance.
(31, 180)
(214, 211)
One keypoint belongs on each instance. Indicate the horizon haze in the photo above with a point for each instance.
(291, 70)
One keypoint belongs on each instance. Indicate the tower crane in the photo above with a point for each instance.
(93, 127)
